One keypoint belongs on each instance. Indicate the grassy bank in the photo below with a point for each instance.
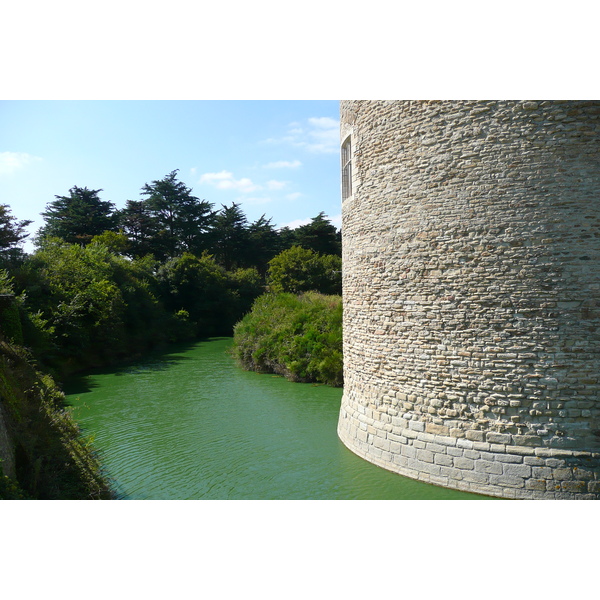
(297, 336)
(45, 455)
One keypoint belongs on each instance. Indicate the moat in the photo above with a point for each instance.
(190, 424)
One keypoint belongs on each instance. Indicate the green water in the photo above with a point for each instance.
(190, 424)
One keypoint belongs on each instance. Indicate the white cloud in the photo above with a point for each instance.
(224, 180)
(284, 164)
(13, 161)
(296, 223)
(273, 184)
(324, 122)
(324, 135)
(255, 200)
(336, 221)
(319, 135)
(294, 196)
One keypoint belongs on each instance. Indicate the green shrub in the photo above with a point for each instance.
(299, 270)
(87, 306)
(299, 337)
(198, 286)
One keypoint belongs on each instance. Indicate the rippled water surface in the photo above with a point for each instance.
(190, 424)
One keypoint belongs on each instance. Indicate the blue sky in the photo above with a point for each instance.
(279, 158)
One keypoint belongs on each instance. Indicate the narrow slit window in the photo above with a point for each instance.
(346, 169)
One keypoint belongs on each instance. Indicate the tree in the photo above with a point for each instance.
(319, 235)
(299, 270)
(115, 242)
(197, 287)
(78, 217)
(231, 237)
(73, 288)
(246, 285)
(182, 221)
(139, 226)
(12, 232)
(263, 243)
(286, 238)
(87, 305)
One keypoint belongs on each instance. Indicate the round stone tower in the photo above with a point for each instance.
(471, 282)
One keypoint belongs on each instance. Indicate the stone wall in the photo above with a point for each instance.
(471, 275)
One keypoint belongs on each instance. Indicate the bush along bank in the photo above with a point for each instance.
(297, 336)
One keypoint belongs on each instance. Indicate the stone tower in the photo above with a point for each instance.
(471, 278)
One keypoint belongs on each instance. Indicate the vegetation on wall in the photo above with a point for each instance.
(52, 459)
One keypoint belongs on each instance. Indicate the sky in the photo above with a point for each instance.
(278, 158)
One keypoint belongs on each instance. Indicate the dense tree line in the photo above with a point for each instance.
(106, 283)
(169, 221)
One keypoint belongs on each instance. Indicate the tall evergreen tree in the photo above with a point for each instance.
(139, 226)
(231, 237)
(78, 217)
(319, 235)
(12, 232)
(182, 220)
(264, 243)
(286, 238)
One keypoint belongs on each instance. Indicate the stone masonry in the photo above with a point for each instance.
(471, 283)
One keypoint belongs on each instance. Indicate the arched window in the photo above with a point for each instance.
(346, 169)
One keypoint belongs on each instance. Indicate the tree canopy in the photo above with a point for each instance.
(231, 237)
(140, 227)
(301, 270)
(319, 235)
(12, 232)
(78, 217)
(169, 221)
(180, 220)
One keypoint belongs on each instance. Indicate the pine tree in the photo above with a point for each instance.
(141, 228)
(78, 217)
(264, 244)
(230, 237)
(182, 220)
(12, 232)
(319, 235)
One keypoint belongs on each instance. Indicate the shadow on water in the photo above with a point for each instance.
(159, 359)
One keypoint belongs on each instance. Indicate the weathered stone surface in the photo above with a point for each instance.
(471, 282)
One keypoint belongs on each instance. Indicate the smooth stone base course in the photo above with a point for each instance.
(504, 471)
